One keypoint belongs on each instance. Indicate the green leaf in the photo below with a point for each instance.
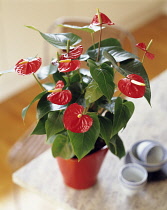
(40, 127)
(134, 66)
(44, 106)
(103, 75)
(131, 66)
(109, 42)
(54, 123)
(116, 146)
(108, 106)
(61, 147)
(24, 111)
(45, 71)
(58, 76)
(93, 92)
(89, 29)
(122, 113)
(118, 53)
(59, 40)
(75, 77)
(83, 143)
(7, 71)
(105, 129)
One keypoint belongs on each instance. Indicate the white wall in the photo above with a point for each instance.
(19, 42)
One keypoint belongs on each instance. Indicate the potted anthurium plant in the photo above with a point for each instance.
(78, 109)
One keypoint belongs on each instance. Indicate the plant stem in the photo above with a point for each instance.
(143, 57)
(99, 43)
(68, 77)
(68, 46)
(93, 43)
(43, 89)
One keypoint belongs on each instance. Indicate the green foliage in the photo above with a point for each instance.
(59, 40)
(131, 66)
(54, 123)
(93, 92)
(44, 107)
(116, 146)
(82, 28)
(122, 113)
(61, 147)
(92, 87)
(103, 75)
(45, 71)
(39, 96)
(83, 143)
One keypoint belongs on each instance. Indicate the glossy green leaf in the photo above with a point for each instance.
(40, 127)
(116, 146)
(54, 123)
(134, 66)
(110, 42)
(45, 71)
(131, 66)
(39, 96)
(7, 71)
(82, 28)
(58, 76)
(93, 92)
(105, 129)
(113, 47)
(59, 40)
(83, 143)
(123, 111)
(61, 147)
(44, 106)
(103, 75)
(75, 77)
(117, 52)
(108, 105)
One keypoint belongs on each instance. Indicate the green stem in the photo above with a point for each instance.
(68, 77)
(143, 57)
(43, 89)
(99, 43)
(119, 94)
(86, 109)
(80, 75)
(68, 46)
(93, 42)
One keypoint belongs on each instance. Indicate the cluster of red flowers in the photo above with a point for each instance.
(74, 118)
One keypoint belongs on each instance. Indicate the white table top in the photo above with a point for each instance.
(42, 174)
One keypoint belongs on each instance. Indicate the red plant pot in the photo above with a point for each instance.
(82, 174)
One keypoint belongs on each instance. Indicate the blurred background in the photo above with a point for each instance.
(145, 19)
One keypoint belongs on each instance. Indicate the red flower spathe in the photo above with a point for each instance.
(28, 66)
(66, 62)
(142, 46)
(67, 65)
(103, 20)
(132, 86)
(59, 96)
(74, 53)
(74, 119)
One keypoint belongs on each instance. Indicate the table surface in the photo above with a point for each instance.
(42, 175)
